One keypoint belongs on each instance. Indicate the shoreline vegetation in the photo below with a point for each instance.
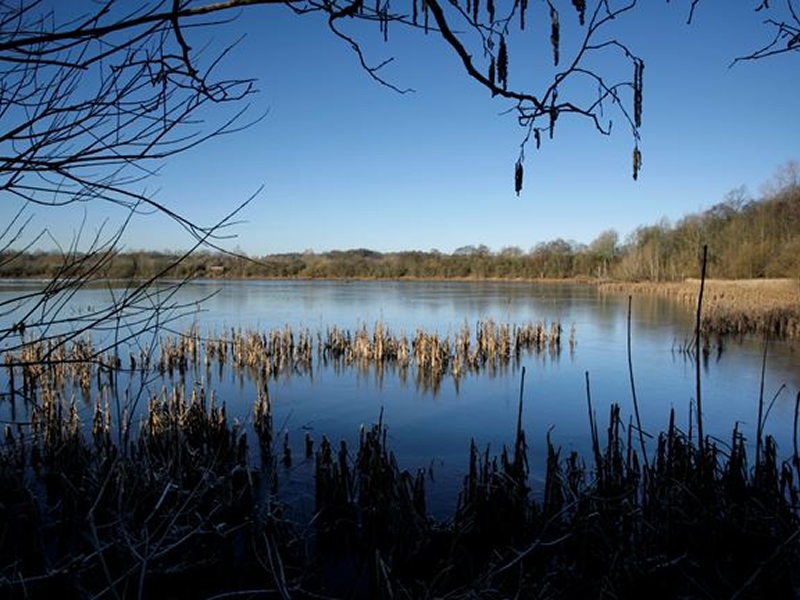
(103, 500)
(732, 307)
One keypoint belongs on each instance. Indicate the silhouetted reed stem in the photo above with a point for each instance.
(633, 388)
(698, 399)
(760, 421)
(598, 457)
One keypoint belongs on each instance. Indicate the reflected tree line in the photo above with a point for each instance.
(746, 239)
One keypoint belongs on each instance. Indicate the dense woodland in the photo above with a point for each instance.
(746, 239)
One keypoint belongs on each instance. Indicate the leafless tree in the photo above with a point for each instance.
(92, 103)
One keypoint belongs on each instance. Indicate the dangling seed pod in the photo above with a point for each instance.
(555, 33)
(553, 114)
(414, 15)
(490, 10)
(491, 75)
(475, 4)
(425, 13)
(518, 176)
(523, 8)
(580, 6)
(502, 63)
(537, 136)
(638, 81)
(637, 162)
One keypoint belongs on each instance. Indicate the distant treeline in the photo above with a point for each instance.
(746, 239)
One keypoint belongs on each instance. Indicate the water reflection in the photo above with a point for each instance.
(433, 420)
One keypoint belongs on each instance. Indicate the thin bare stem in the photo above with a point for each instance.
(698, 390)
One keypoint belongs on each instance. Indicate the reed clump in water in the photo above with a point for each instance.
(429, 355)
(693, 522)
(79, 365)
(688, 525)
(370, 515)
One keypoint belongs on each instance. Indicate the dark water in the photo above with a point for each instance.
(429, 429)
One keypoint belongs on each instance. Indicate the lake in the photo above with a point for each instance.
(432, 428)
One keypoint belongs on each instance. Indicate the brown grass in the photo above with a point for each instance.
(736, 307)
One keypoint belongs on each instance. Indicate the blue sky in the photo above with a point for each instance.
(347, 163)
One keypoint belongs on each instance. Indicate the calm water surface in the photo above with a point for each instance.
(434, 429)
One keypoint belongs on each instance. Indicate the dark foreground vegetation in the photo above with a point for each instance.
(178, 511)
(188, 504)
(746, 239)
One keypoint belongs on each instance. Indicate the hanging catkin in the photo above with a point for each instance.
(555, 33)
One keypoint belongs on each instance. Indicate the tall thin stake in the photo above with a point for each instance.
(633, 389)
(598, 458)
(760, 422)
(519, 446)
(700, 440)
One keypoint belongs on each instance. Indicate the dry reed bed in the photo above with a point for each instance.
(281, 350)
(285, 352)
(733, 307)
(178, 509)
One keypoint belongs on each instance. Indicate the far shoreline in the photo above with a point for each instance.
(730, 306)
